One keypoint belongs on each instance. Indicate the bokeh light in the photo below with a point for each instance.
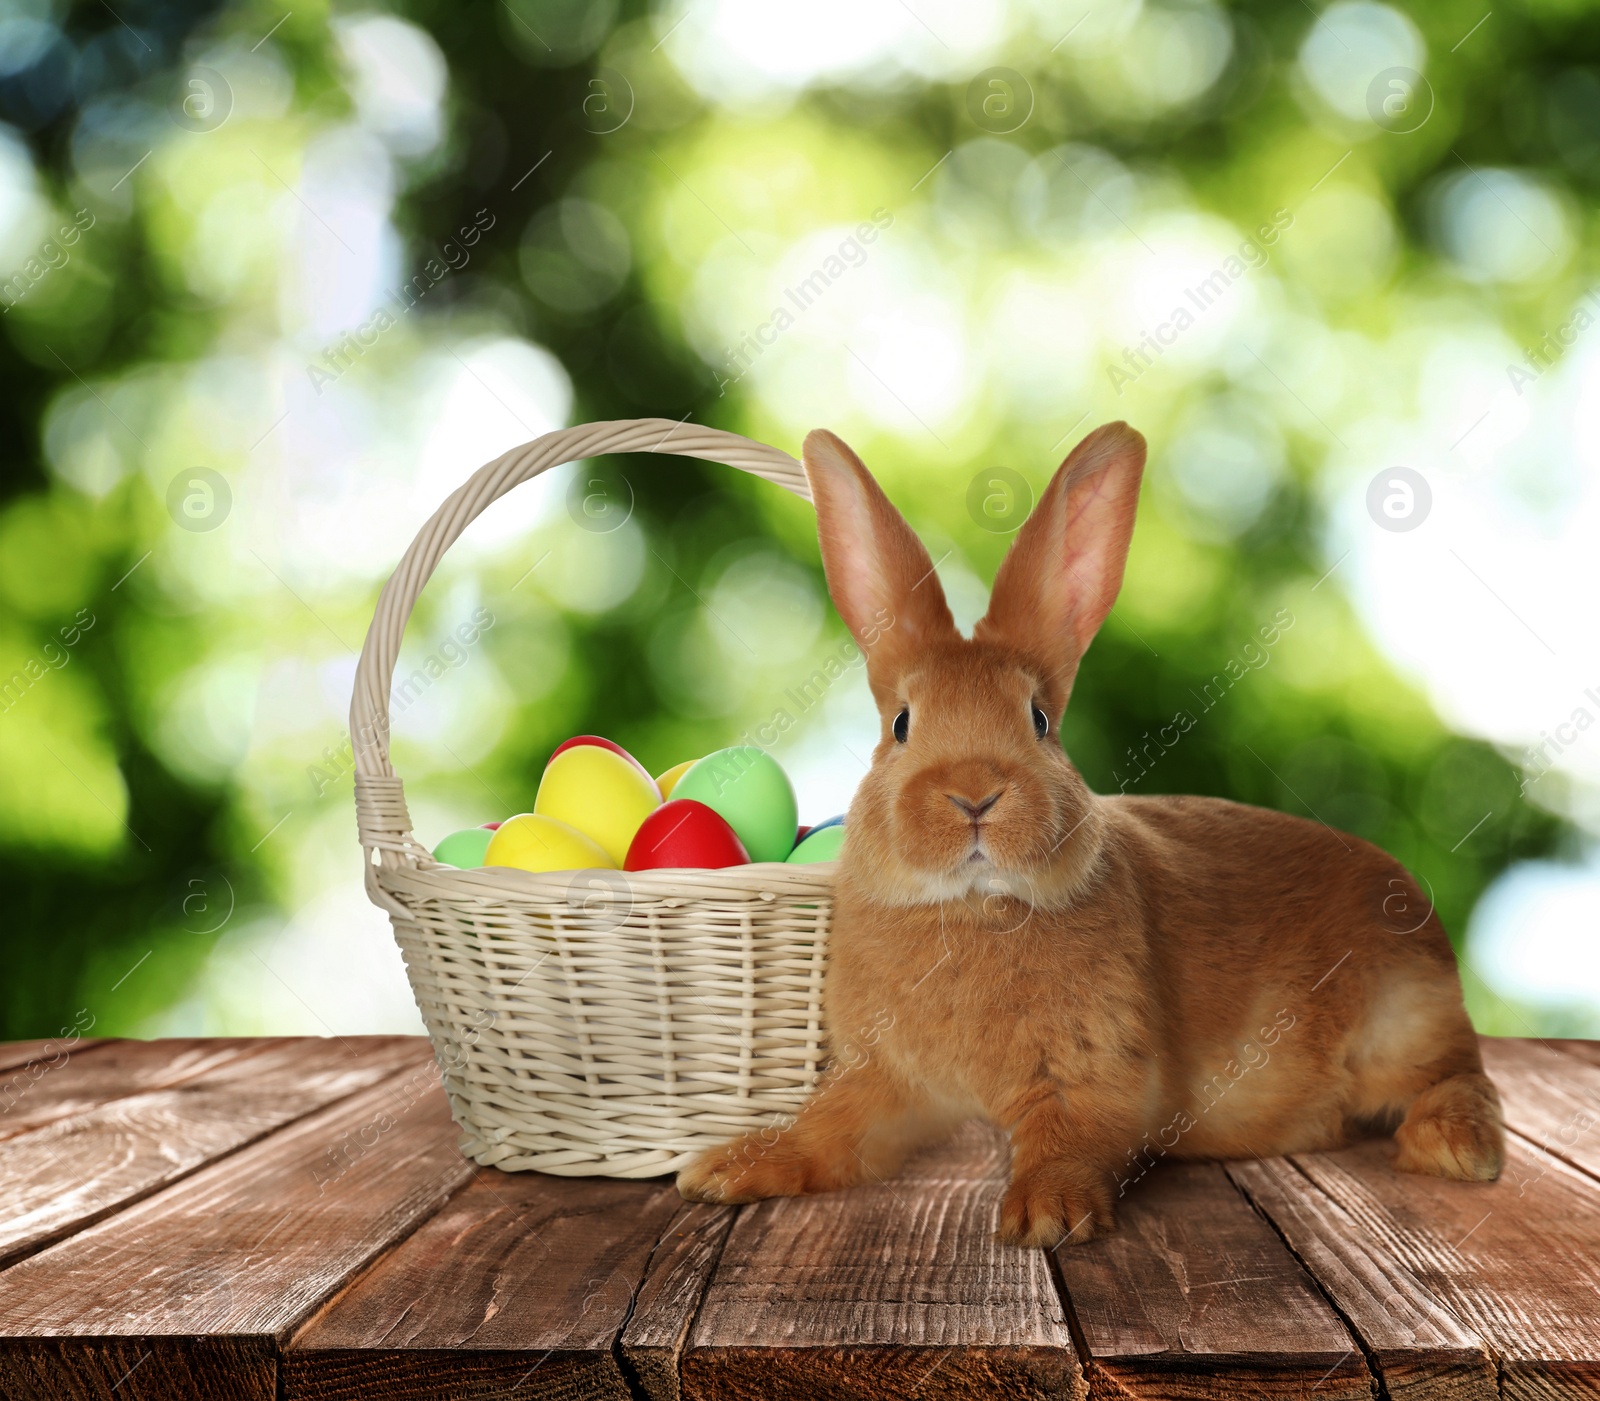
(275, 283)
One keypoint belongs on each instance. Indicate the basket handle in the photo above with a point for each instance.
(381, 815)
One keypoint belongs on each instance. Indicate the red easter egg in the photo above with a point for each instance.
(489, 826)
(800, 835)
(683, 834)
(612, 745)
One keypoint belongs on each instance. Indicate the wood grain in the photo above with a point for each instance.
(1422, 1352)
(669, 1296)
(519, 1286)
(1196, 1296)
(1517, 1261)
(272, 1221)
(197, 1283)
(892, 1289)
(1583, 1050)
(78, 1170)
(1550, 1097)
(17, 1053)
(86, 1078)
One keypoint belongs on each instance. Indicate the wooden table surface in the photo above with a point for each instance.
(283, 1220)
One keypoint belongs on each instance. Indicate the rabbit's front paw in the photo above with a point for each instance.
(745, 1170)
(1056, 1204)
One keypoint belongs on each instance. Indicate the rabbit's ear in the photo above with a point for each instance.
(879, 572)
(1062, 573)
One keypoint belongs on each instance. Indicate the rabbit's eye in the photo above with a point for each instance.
(902, 725)
(1041, 723)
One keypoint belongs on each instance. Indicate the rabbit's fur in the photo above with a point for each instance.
(1109, 979)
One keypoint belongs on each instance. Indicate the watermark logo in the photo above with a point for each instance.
(810, 692)
(204, 102)
(1403, 910)
(207, 903)
(1000, 100)
(1399, 100)
(850, 253)
(602, 899)
(1253, 655)
(999, 499)
(597, 504)
(607, 103)
(1253, 1055)
(26, 1077)
(1253, 253)
(1000, 902)
(1399, 499)
(199, 499)
(52, 253)
(450, 655)
(51, 657)
(1550, 347)
(342, 353)
(1538, 759)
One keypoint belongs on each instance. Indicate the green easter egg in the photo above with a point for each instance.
(748, 789)
(821, 845)
(464, 849)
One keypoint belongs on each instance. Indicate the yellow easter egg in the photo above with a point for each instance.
(603, 795)
(532, 842)
(669, 780)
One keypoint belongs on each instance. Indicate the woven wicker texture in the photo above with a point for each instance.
(602, 1023)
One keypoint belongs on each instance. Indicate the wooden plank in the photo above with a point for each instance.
(519, 1286)
(1195, 1296)
(79, 1170)
(891, 1289)
(1422, 1352)
(17, 1053)
(1584, 1050)
(1550, 1098)
(189, 1290)
(669, 1297)
(85, 1080)
(111, 1369)
(1517, 1261)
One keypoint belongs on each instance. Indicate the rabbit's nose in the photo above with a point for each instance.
(974, 810)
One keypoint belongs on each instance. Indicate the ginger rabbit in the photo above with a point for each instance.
(1108, 979)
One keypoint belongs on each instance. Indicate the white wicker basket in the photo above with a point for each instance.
(604, 1022)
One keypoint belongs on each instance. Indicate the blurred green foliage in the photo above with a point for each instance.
(114, 854)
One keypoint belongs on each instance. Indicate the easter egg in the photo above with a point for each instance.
(602, 794)
(800, 835)
(748, 788)
(489, 826)
(533, 842)
(683, 833)
(599, 743)
(829, 822)
(821, 845)
(463, 849)
(667, 781)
